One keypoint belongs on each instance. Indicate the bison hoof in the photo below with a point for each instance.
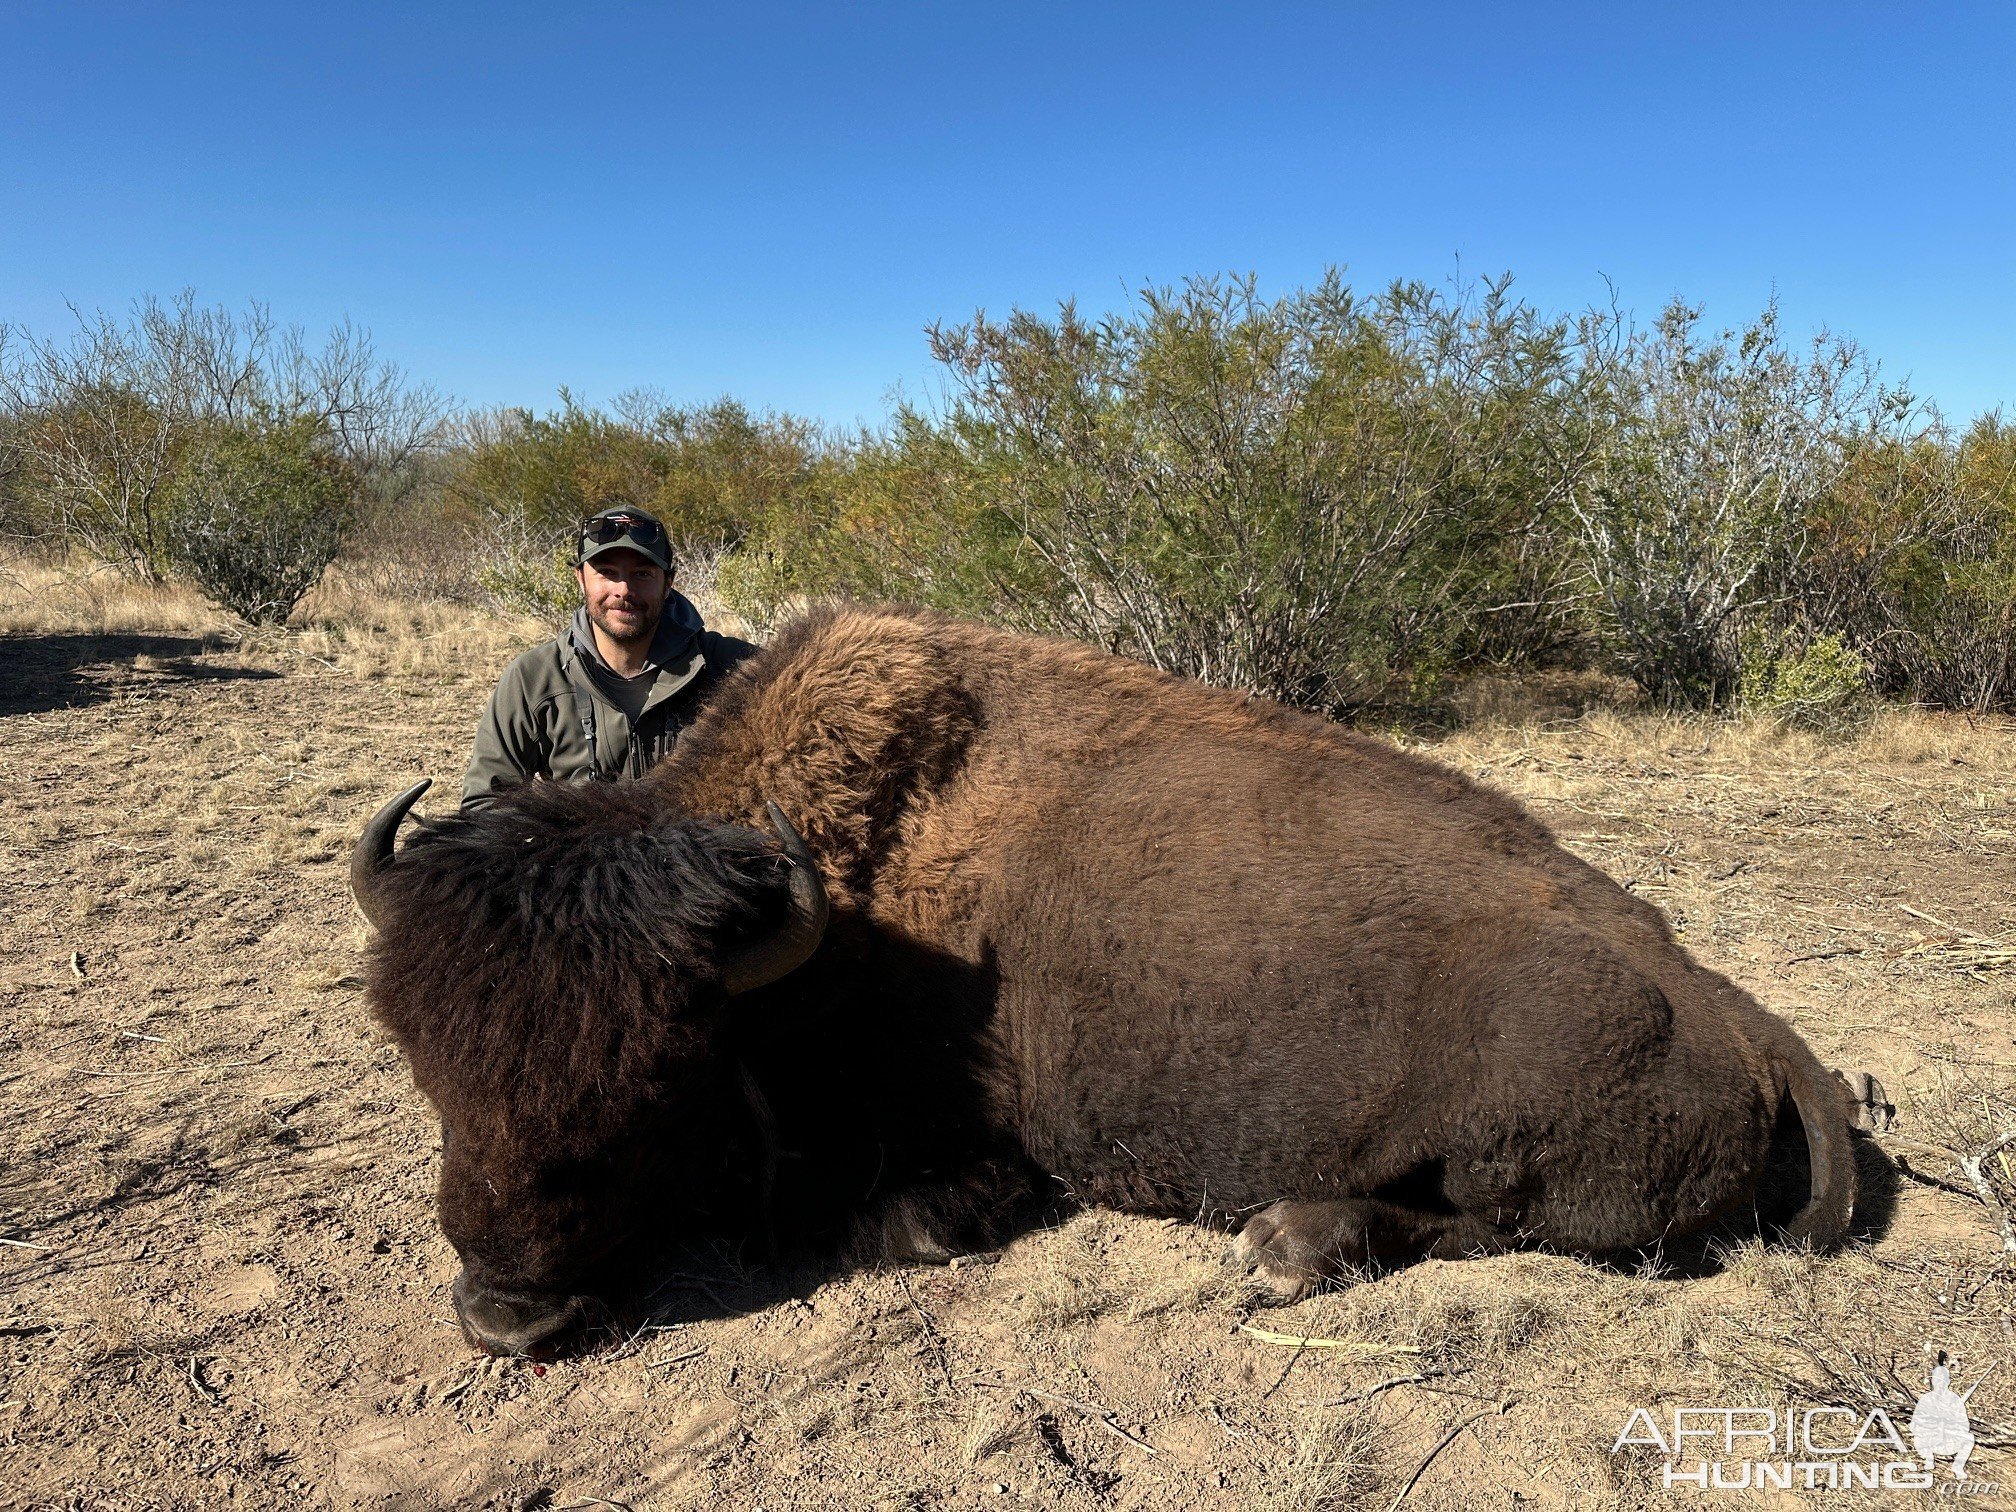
(1274, 1247)
(1871, 1109)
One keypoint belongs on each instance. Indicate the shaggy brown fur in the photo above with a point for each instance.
(1095, 928)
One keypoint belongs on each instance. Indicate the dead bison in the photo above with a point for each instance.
(1057, 922)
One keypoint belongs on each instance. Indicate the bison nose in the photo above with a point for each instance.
(505, 1323)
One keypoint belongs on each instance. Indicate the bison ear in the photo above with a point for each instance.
(790, 946)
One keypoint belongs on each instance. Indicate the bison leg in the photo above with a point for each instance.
(930, 1222)
(1298, 1246)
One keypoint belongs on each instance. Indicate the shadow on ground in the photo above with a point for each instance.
(719, 1279)
(43, 673)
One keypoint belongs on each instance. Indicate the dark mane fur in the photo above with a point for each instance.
(557, 936)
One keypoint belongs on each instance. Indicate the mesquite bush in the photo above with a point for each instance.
(257, 513)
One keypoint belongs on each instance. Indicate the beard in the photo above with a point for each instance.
(616, 629)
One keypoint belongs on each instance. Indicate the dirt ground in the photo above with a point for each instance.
(221, 1283)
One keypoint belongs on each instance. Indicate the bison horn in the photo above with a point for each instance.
(788, 948)
(374, 849)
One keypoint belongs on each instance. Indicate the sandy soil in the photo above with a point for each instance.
(221, 1284)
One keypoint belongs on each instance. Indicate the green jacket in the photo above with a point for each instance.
(533, 726)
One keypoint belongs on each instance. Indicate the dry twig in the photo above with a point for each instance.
(195, 1373)
(1390, 1382)
(1499, 1410)
(1956, 949)
(1972, 1166)
(678, 1359)
(931, 1333)
(172, 1070)
(681, 1281)
(1103, 1416)
(1353, 1346)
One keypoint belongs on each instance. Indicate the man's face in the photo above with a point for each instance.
(625, 593)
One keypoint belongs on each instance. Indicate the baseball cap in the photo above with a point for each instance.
(623, 528)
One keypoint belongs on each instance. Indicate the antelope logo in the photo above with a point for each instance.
(1939, 1422)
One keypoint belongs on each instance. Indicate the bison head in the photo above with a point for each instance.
(558, 970)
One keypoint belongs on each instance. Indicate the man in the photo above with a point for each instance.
(609, 695)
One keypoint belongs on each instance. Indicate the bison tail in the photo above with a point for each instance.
(1822, 1100)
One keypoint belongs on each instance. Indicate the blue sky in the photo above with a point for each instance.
(773, 201)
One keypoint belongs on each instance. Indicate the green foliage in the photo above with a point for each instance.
(530, 573)
(20, 511)
(1328, 497)
(1715, 449)
(256, 513)
(549, 471)
(707, 471)
(721, 467)
(1305, 497)
(1953, 597)
(1913, 561)
(97, 465)
(96, 432)
(1823, 685)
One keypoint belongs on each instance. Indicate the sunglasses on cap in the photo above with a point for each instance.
(606, 528)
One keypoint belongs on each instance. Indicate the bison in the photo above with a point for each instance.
(924, 923)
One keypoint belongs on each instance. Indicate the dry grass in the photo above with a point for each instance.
(349, 623)
(352, 628)
(1335, 1466)
(1504, 725)
(72, 597)
(371, 619)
